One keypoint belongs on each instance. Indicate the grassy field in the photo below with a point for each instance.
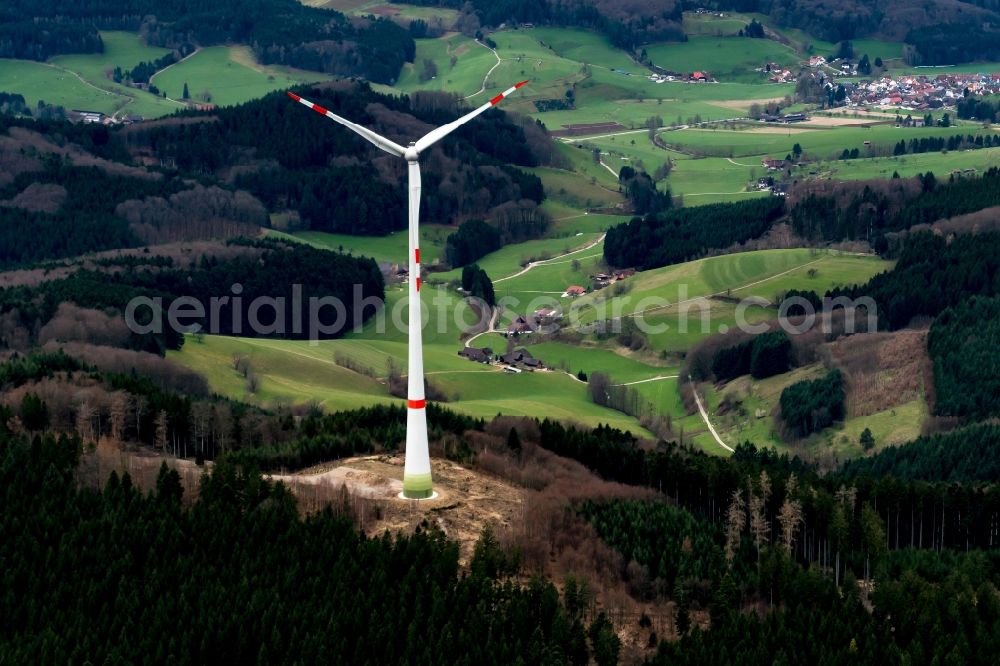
(392, 248)
(42, 82)
(510, 259)
(724, 58)
(760, 140)
(909, 165)
(673, 300)
(756, 403)
(228, 75)
(125, 50)
(403, 13)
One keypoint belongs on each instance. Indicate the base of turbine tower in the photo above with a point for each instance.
(431, 495)
(417, 487)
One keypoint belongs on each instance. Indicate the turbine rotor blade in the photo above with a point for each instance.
(370, 136)
(436, 135)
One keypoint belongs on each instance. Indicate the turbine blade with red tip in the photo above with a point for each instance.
(436, 135)
(370, 136)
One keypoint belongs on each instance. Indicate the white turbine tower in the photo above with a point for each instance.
(417, 483)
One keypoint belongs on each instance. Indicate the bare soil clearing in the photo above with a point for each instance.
(466, 500)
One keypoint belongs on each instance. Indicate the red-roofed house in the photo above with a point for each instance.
(575, 290)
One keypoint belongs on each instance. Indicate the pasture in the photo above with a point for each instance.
(228, 75)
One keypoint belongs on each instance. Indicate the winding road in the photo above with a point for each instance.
(486, 78)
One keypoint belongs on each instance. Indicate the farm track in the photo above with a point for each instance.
(704, 417)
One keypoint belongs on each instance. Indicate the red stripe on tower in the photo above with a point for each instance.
(416, 404)
(496, 100)
(416, 255)
(294, 96)
(319, 109)
(418, 284)
(518, 85)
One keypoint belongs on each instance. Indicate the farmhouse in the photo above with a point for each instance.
(574, 290)
(87, 116)
(523, 358)
(520, 326)
(545, 316)
(773, 165)
(476, 355)
(817, 61)
(699, 76)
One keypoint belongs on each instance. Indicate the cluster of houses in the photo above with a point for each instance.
(602, 280)
(98, 118)
(516, 360)
(541, 318)
(662, 76)
(921, 92)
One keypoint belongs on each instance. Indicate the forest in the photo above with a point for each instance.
(626, 26)
(762, 356)
(960, 456)
(974, 107)
(681, 234)
(273, 273)
(931, 275)
(753, 530)
(811, 405)
(869, 210)
(280, 31)
(104, 575)
(963, 343)
(312, 164)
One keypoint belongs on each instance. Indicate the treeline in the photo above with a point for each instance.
(852, 211)
(473, 240)
(681, 234)
(931, 275)
(642, 193)
(953, 43)
(29, 36)
(145, 70)
(963, 344)
(944, 516)
(476, 283)
(13, 104)
(84, 200)
(761, 356)
(627, 27)
(811, 405)
(977, 108)
(323, 437)
(256, 294)
(135, 557)
(966, 455)
(312, 163)
(279, 31)
(937, 144)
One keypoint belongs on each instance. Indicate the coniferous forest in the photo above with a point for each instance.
(281, 31)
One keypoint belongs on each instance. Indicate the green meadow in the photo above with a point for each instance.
(228, 75)
(125, 50)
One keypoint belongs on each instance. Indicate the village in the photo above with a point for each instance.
(921, 92)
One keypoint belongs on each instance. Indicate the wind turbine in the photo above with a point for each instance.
(417, 481)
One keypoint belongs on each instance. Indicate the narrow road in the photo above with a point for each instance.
(486, 78)
(704, 417)
(489, 329)
(542, 262)
(651, 379)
